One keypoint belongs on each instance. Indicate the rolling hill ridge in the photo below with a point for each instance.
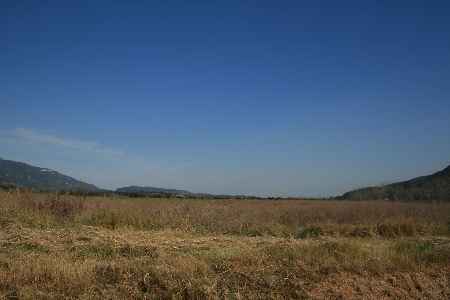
(13, 173)
(148, 190)
(18, 174)
(432, 187)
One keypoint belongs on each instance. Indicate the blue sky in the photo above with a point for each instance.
(258, 97)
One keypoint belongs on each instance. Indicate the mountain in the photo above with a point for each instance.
(148, 190)
(24, 175)
(431, 187)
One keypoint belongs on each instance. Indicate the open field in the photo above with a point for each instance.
(98, 248)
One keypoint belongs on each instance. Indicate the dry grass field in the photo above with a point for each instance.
(67, 247)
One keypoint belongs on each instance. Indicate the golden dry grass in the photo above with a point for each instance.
(64, 247)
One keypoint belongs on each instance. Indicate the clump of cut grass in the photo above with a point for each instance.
(29, 247)
(108, 251)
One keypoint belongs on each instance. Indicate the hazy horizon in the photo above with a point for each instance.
(266, 98)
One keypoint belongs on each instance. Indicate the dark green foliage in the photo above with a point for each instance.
(147, 190)
(308, 232)
(7, 186)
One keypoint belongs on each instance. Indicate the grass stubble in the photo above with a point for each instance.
(67, 247)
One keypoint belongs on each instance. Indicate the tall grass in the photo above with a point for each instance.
(66, 247)
(280, 218)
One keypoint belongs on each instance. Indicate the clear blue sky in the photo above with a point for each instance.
(259, 97)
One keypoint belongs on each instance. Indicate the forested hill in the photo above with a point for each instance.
(13, 173)
(431, 187)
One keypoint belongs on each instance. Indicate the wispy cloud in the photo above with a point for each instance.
(102, 165)
(90, 161)
(33, 136)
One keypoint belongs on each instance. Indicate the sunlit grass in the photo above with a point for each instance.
(116, 248)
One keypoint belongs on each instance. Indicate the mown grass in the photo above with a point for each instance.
(276, 269)
(64, 247)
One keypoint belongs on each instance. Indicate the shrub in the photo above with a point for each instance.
(392, 230)
(53, 204)
(308, 232)
(418, 252)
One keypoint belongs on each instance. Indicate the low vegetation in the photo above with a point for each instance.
(61, 246)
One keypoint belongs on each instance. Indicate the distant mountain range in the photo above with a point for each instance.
(148, 190)
(431, 187)
(18, 174)
(13, 173)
